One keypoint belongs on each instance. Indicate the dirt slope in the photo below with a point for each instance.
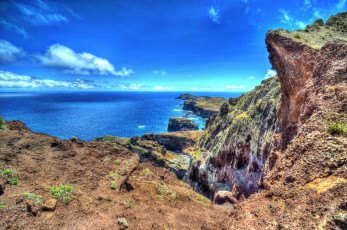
(152, 198)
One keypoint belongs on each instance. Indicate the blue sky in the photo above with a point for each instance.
(175, 45)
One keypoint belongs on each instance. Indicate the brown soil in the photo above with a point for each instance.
(152, 198)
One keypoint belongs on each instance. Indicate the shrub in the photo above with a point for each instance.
(147, 172)
(61, 192)
(337, 128)
(33, 197)
(297, 35)
(114, 185)
(10, 175)
(117, 162)
(2, 123)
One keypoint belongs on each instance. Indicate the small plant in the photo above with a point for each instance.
(114, 175)
(160, 197)
(147, 172)
(129, 202)
(87, 204)
(2, 123)
(298, 36)
(273, 99)
(61, 192)
(2, 205)
(117, 162)
(10, 175)
(33, 197)
(337, 128)
(114, 185)
(307, 30)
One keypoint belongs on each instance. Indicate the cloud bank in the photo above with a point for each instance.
(12, 80)
(9, 52)
(59, 56)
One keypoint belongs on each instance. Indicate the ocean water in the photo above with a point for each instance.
(88, 115)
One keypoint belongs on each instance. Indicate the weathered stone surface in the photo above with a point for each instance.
(50, 205)
(236, 143)
(181, 124)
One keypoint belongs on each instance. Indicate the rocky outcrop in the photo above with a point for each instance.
(182, 142)
(234, 149)
(181, 124)
(148, 149)
(203, 106)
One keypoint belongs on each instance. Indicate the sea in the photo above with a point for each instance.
(88, 115)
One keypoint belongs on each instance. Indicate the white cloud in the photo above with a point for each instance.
(39, 12)
(9, 52)
(10, 26)
(60, 56)
(300, 24)
(214, 15)
(270, 73)
(235, 86)
(341, 5)
(285, 18)
(160, 73)
(251, 78)
(307, 3)
(12, 80)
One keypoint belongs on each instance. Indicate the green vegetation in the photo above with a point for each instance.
(147, 172)
(2, 123)
(117, 162)
(10, 175)
(196, 153)
(297, 35)
(338, 128)
(61, 192)
(33, 197)
(2, 205)
(114, 175)
(160, 197)
(87, 204)
(129, 202)
(114, 185)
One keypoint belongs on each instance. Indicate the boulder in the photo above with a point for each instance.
(50, 205)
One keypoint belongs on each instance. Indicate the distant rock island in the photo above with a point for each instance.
(203, 106)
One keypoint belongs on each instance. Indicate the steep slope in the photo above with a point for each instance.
(232, 154)
(305, 184)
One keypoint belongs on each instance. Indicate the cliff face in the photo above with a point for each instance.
(203, 106)
(243, 143)
(232, 154)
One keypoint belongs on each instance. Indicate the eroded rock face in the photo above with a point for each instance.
(181, 124)
(234, 149)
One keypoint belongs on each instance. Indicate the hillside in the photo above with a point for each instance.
(289, 156)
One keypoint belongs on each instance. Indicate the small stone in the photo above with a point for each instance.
(122, 222)
(50, 205)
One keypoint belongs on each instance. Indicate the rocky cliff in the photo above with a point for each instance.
(167, 150)
(234, 149)
(203, 106)
(298, 162)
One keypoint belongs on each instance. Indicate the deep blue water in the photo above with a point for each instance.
(88, 115)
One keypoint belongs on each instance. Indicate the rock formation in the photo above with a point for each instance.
(236, 143)
(203, 106)
(294, 172)
(181, 124)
